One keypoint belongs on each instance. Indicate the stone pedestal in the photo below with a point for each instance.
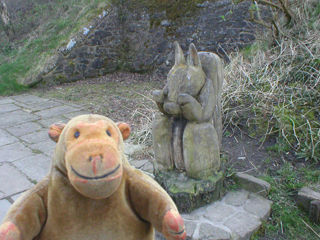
(188, 193)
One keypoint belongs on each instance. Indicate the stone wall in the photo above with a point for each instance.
(138, 36)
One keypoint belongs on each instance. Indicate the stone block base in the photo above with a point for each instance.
(314, 213)
(253, 184)
(309, 200)
(189, 193)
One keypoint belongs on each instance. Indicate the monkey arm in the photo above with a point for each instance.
(200, 110)
(26, 216)
(154, 205)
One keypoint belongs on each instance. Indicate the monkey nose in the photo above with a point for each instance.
(96, 162)
(96, 158)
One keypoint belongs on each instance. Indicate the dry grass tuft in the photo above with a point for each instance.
(276, 90)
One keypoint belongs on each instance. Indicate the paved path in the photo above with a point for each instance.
(25, 156)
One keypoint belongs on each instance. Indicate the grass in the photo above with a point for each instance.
(287, 220)
(50, 24)
(274, 90)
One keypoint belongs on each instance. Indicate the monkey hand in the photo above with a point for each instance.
(173, 226)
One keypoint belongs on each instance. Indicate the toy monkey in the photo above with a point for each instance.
(91, 192)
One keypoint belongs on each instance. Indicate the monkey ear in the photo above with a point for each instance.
(55, 131)
(124, 129)
(178, 55)
(193, 57)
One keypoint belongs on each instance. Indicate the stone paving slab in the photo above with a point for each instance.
(237, 216)
(6, 138)
(28, 98)
(74, 114)
(237, 198)
(6, 100)
(34, 107)
(4, 206)
(15, 181)
(45, 147)
(219, 212)
(46, 123)
(25, 157)
(25, 128)
(60, 110)
(15, 197)
(8, 108)
(16, 118)
(252, 184)
(35, 137)
(35, 167)
(215, 233)
(14, 151)
(258, 206)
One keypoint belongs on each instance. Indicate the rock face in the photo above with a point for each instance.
(138, 36)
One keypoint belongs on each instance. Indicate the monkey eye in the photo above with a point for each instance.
(76, 134)
(109, 133)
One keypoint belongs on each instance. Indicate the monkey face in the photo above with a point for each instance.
(93, 158)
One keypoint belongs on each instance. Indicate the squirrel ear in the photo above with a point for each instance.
(193, 57)
(55, 131)
(124, 129)
(178, 55)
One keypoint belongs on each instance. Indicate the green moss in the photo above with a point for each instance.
(61, 78)
(190, 186)
(216, 177)
(36, 151)
(175, 188)
(71, 64)
(34, 181)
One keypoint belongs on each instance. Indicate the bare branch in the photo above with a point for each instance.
(271, 4)
(257, 21)
(260, 22)
(282, 7)
(286, 12)
(277, 30)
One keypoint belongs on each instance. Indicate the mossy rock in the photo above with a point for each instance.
(188, 193)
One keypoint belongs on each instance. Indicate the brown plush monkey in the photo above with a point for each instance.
(91, 192)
